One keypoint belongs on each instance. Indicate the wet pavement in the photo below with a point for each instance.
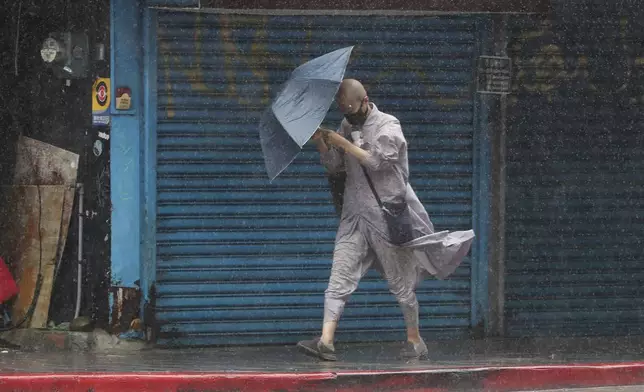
(488, 365)
(368, 357)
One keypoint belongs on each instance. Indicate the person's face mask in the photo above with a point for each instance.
(359, 117)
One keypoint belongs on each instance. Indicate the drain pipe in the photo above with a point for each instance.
(79, 255)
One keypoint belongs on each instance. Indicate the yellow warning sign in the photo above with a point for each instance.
(101, 96)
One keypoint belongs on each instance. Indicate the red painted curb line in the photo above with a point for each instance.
(498, 379)
(550, 377)
(144, 382)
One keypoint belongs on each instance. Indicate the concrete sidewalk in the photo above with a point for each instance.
(487, 365)
(46, 340)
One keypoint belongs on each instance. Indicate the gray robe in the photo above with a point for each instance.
(437, 253)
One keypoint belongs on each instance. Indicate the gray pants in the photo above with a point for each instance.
(354, 254)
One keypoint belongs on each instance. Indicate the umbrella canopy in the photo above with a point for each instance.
(299, 108)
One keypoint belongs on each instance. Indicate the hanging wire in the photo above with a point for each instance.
(17, 50)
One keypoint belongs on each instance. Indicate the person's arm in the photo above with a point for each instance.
(383, 153)
(339, 141)
(331, 157)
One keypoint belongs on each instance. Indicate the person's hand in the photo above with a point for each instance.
(317, 136)
(321, 134)
(334, 139)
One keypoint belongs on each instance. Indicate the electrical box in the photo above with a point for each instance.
(67, 54)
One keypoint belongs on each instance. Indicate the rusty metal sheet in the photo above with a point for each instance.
(125, 307)
(22, 218)
(39, 163)
(44, 164)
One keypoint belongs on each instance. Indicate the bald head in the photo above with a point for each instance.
(351, 95)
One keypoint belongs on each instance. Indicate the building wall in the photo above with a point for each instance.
(574, 158)
(133, 194)
(127, 137)
(577, 80)
(36, 104)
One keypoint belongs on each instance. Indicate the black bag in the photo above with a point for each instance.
(397, 216)
(336, 183)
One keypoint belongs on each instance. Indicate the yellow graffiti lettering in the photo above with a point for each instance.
(195, 72)
(258, 61)
(548, 69)
(448, 102)
(229, 49)
(307, 43)
(259, 50)
(170, 113)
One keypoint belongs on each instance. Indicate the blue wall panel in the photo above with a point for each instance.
(240, 260)
(125, 150)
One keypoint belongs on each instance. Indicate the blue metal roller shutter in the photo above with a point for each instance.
(242, 261)
(574, 189)
(173, 3)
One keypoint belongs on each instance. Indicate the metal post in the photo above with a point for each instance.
(498, 127)
(79, 256)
